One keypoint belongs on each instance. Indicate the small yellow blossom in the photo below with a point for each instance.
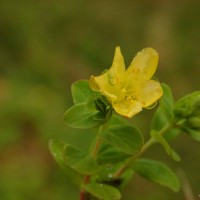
(130, 90)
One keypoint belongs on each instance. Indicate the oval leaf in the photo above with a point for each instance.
(159, 120)
(117, 120)
(125, 138)
(108, 155)
(79, 161)
(56, 147)
(107, 174)
(157, 172)
(103, 191)
(81, 91)
(167, 102)
(83, 116)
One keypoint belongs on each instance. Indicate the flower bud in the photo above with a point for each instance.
(194, 122)
(188, 106)
(187, 113)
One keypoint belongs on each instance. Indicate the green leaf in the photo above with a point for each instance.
(83, 116)
(125, 138)
(81, 91)
(159, 121)
(126, 177)
(109, 155)
(103, 191)
(117, 120)
(56, 147)
(157, 172)
(107, 171)
(79, 161)
(107, 175)
(167, 102)
(164, 114)
(159, 138)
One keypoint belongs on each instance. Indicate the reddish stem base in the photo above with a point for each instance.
(83, 194)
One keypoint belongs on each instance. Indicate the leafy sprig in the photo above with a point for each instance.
(117, 150)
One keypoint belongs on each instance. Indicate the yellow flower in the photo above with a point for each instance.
(130, 90)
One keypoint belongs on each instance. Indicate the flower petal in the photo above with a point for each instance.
(101, 83)
(128, 108)
(109, 82)
(118, 69)
(144, 64)
(149, 92)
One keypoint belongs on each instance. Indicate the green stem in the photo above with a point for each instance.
(152, 141)
(146, 146)
(96, 146)
(93, 154)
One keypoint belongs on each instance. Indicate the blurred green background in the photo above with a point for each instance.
(47, 45)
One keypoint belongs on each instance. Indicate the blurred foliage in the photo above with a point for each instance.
(46, 45)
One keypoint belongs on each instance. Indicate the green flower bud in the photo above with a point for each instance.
(193, 132)
(188, 106)
(103, 107)
(187, 113)
(100, 105)
(193, 122)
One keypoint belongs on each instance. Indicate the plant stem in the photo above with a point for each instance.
(83, 193)
(93, 154)
(186, 187)
(97, 144)
(146, 146)
(152, 140)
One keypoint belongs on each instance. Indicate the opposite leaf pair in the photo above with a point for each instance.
(112, 160)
